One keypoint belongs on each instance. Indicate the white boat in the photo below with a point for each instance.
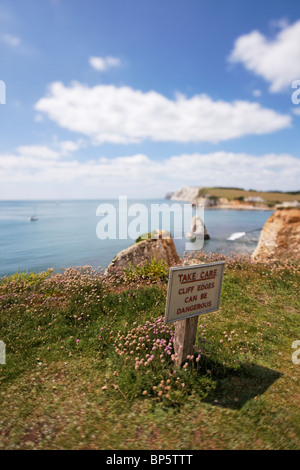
(33, 218)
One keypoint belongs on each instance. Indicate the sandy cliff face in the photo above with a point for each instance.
(280, 237)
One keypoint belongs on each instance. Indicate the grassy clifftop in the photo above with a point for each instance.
(236, 193)
(89, 362)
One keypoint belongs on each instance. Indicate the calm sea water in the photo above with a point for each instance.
(65, 234)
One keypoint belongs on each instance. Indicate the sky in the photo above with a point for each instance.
(138, 98)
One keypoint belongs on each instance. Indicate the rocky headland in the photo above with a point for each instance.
(158, 245)
(280, 237)
(234, 198)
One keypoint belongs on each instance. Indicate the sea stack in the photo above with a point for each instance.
(198, 229)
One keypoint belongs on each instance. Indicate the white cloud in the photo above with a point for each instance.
(38, 151)
(256, 93)
(38, 154)
(102, 64)
(277, 61)
(107, 113)
(10, 40)
(67, 147)
(26, 174)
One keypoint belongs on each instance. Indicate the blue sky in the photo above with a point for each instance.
(139, 98)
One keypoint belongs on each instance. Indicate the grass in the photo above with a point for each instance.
(89, 362)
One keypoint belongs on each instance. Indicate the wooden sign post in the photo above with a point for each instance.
(192, 291)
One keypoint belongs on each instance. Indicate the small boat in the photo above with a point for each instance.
(33, 218)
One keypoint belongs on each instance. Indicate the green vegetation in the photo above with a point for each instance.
(153, 270)
(236, 193)
(90, 365)
(229, 187)
(146, 236)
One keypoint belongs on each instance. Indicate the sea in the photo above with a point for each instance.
(65, 234)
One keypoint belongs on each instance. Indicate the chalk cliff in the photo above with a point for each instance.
(189, 193)
(280, 237)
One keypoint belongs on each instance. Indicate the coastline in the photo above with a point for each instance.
(240, 208)
(235, 198)
(65, 234)
(247, 207)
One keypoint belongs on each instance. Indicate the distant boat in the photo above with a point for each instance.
(33, 218)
